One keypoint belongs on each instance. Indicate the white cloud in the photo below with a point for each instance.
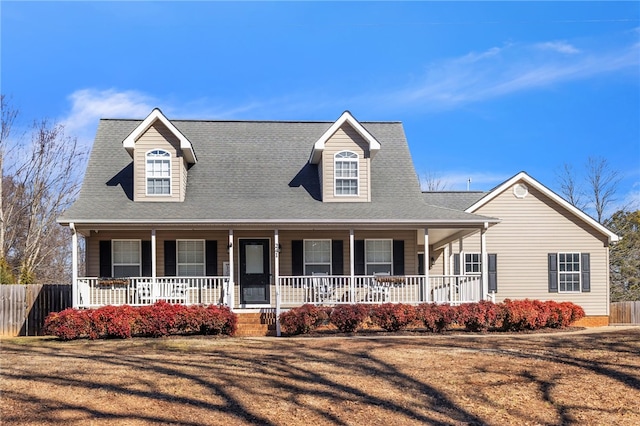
(88, 106)
(558, 46)
(513, 68)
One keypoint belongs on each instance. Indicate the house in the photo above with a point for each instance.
(543, 248)
(266, 215)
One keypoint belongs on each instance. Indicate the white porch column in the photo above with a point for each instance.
(352, 270)
(447, 259)
(74, 266)
(153, 255)
(231, 285)
(276, 276)
(485, 262)
(427, 265)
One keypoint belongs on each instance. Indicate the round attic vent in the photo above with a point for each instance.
(520, 190)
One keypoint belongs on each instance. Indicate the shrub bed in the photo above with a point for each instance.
(160, 319)
(483, 316)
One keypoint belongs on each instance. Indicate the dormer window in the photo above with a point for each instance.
(158, 172)
(346, 173)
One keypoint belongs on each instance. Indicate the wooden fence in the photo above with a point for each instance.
(23, 308)
(624, 312)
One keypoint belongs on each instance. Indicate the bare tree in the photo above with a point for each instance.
(603, 183)
(40, 183)
(432, 182)
(569, 188)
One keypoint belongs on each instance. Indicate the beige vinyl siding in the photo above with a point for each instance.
(531, 228)
(159, 137)
(93, 245)
(346, 139)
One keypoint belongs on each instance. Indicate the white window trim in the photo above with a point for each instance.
(204, 256)
(147, 177)
(579, 272)
(113, 263)
(355, 160)
(304, 254)
(464, 263)
(366, 263)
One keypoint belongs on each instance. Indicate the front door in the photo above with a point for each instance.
(254, 271)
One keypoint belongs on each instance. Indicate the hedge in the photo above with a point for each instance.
(160, 319)
(515, 316)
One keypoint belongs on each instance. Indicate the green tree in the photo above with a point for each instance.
(624, 260)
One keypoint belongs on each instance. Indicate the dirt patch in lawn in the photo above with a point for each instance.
(550, 378)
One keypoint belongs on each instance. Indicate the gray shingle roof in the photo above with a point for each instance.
(250, 171)
(457, 200)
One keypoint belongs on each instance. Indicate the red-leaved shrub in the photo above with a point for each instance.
(348, 318)
(480, 316)
(69, 324)
(304, 319)
(393, 316)
(436, 318)
(160, 319)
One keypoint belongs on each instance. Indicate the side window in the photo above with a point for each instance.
(158, 171)
(317, 256)
(569, 272)
(126, 256)
(472, 263)
(346, 173)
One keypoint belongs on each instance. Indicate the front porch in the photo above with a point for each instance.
(287, 291)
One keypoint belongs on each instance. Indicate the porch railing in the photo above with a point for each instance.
(294, 290)
(332, 290)
(138, 291)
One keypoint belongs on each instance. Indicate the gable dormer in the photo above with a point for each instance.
(161, 157)
(343, 155)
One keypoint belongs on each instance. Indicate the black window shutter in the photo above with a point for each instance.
(420, 263)
(105, 258)
(492, 271)
(456, 264)
(297, 257)
(358, 257)
(585, 267)
(398, 257)
(211, 262)
(170, 258)
(146, 258)
(337, 262)
(553, 272)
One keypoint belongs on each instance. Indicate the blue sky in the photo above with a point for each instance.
(484, 90)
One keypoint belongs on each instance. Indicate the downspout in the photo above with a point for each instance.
(485, 264)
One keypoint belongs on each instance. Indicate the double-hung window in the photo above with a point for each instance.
(569, 272)
(346, 173)
(378, 256)
(158, 172)
(472, 263)
(317, 256)
(191, 258)
(126, 256)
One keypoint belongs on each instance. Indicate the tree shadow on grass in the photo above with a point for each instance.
(273, 381)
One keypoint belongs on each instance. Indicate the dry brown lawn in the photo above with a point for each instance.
(589, 377)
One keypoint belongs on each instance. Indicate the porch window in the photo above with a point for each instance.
(346, 173)
(191, 258)
(569, 272)
(126, 258)
(472, 263)
(378, 256)
(158, 172)
(317, 256)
